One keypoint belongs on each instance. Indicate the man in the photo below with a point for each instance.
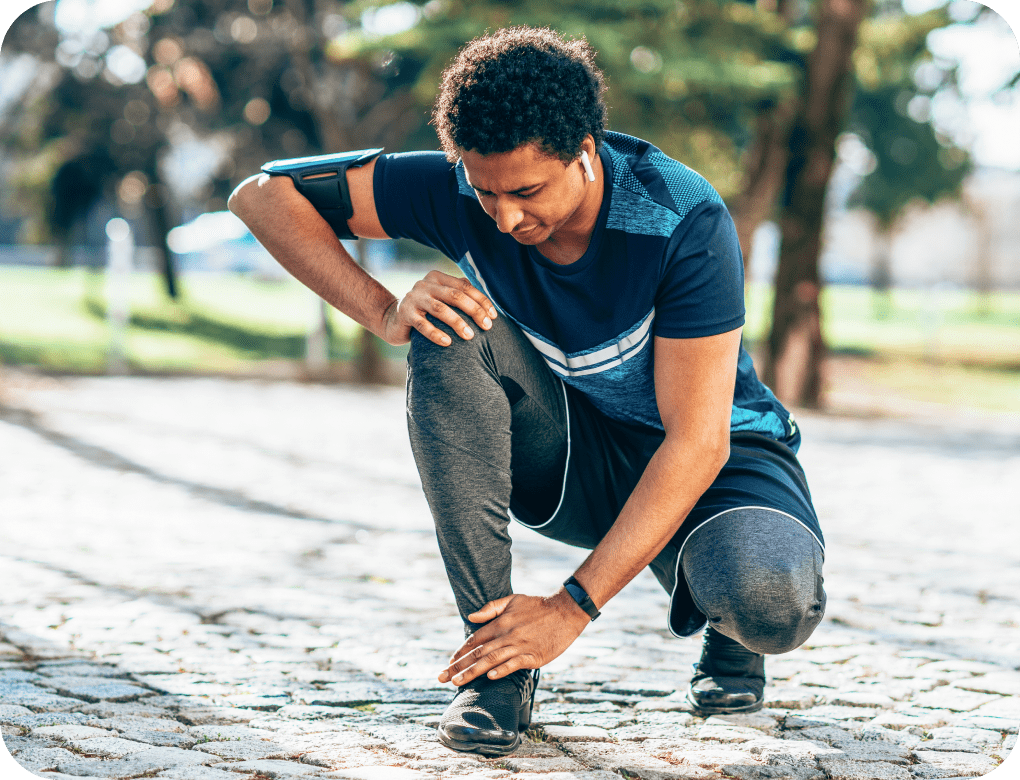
(586, 378)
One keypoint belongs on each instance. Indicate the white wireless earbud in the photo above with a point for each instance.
(587, 166)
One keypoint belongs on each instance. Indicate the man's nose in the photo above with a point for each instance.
(508, 215)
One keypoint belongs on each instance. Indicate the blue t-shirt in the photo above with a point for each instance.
(664, 260)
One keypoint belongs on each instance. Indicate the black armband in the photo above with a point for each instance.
(322, 181)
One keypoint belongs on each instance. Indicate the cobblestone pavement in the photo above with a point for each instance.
(204, 579)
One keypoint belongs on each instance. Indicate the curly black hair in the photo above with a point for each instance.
(520, 85)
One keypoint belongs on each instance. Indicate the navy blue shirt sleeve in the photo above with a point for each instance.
(701, 287)
(416, 198)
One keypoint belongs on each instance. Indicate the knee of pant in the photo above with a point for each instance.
(768, 611)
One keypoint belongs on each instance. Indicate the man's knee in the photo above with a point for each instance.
(757, 577)
(771, 609)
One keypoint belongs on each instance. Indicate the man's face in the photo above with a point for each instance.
(529, 194)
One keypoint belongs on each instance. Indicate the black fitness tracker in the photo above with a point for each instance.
(580, 595)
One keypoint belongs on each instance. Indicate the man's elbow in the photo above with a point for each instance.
(240, 199)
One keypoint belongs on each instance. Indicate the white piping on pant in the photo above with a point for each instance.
(680, 555)
(566, 467)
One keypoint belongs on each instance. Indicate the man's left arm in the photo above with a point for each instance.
(694, 381)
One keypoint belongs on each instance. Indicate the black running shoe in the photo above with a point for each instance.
(728, 679)
(487, 716)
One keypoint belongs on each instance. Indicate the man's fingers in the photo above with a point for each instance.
(445, 314)
(485, 312)
(491, 610)
(463, 671)
(431, 332)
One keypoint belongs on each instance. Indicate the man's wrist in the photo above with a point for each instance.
(577, 592)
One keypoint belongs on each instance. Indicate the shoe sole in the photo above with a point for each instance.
(699, 709)
(483, 748)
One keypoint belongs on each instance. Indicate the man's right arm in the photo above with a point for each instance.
(293, 232)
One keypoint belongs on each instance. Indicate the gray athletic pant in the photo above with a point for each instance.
(488, 424)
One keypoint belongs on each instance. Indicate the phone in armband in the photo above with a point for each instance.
(322, 180)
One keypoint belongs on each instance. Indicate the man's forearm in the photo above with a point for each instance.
(670, 486)
(294, 233)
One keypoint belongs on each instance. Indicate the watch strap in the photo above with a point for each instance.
(580, 595)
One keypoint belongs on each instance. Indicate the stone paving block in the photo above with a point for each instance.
(1002, 707)
(910, 716)
(946, 697)
(541, 765)
(9, 711)
(247, 750)
(144, 762)
(970, 721)
(222, 733)
(948, 746)
(646, 731)
(1002, 683)
(834, 712)
(604, 720)
(201, 716)
(764, 720)
(159, 738)
(974, 736)
(107, 747)
(133, 709)
(727, 733)
(577, 734)
(708, 757)
(271, 768)
(634, 763)
(39, 759)
(380, 773)
(791, 698)
(307, 712)
(254, 701)
(68, 732)
(647, 684)
(845, 769)
(38, 719)
(790, 752)
(123, 723)
(860, 750)
(753, 772)
(37, 699)
(197, 772)
(964, 764)
(338, 756)
(591, 774)
(16, 675)
(350, 694)
(959, 665)
(83, 669)
(666, 704)
(859, 699)
(97, 689)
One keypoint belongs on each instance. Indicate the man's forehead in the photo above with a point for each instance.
(520, 168)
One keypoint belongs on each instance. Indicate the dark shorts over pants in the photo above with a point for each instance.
(496, 435)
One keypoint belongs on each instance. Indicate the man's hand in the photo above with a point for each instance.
(526, 632)
(435, 295)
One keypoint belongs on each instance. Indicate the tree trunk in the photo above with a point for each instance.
(159, 212)
(795, 348)
(764, 174)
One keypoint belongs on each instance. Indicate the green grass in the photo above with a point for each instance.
(946, 347)
(948, 326)
(56, 319)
